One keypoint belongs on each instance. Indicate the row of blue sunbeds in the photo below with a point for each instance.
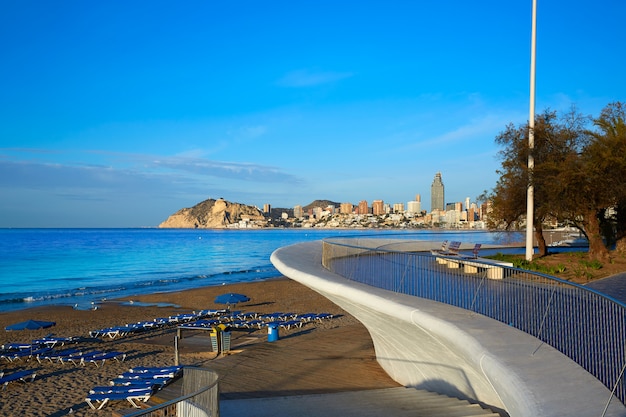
(250, 320)
(160, 322)
(25, 352)
(78, 357)
(17, 351)
(210, 318)
(42, 350)
(12, 352)
(135, 386)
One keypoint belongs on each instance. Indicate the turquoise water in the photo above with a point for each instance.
(81, 266)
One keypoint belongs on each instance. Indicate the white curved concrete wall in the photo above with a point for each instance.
(433, 346)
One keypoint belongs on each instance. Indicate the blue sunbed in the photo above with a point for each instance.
(98, 401)
(26, 375)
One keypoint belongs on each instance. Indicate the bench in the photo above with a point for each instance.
(494, 269)
(447, 249)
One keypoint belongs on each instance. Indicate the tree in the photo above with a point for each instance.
(593, 185)
(605, 164)
(556, 140)
(579, 176)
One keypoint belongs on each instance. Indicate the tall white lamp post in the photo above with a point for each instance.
(531, 139)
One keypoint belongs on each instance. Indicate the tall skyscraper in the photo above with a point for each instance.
(437, 197)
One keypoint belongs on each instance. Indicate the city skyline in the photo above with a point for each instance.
(118, 114)
(437, 188)
(377, 206)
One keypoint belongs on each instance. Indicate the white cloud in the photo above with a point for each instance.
(474, 128)
(477, 130)
(230, 170)
(135, 170)
(308, 78)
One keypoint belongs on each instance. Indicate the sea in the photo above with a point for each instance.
(84, 267)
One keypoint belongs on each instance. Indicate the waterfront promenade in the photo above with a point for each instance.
(613, 286)
(425, 344)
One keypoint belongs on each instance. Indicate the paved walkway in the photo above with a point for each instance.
(389, 402)
(526, 378)
(310, 361)
(614, 286)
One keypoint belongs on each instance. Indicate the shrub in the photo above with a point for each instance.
(595, 264)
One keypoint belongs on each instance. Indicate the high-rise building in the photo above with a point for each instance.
(485, 210)
(267, 208)
(363, 207)
(471, 214)
(297, 211)
(378, 208)
(437, 197)
(414, 207)
(317, 212)
(346, 208)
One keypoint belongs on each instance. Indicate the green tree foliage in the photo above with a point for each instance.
(579, 176)
(604, 161)
(556, 141)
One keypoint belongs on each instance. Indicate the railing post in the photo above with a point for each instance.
(176, 350)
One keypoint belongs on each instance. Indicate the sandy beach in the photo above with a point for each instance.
(333, 355)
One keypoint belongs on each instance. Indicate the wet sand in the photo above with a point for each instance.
(328, 356)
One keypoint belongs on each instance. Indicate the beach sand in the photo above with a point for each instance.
(334, 355)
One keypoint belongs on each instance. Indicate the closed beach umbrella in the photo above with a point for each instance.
(30, 325)
(231, 298)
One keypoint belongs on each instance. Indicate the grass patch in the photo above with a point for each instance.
(595, 264)
(570, 266)
(520, 262)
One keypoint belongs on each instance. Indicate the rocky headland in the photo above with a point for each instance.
(213, 214)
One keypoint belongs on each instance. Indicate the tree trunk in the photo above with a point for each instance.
(597, 249)
(541, 240)
(620, 228)
(620, 245)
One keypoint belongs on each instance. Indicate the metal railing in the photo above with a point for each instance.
(583, 324)
(199, 397)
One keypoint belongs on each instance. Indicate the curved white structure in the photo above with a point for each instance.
(437, 347)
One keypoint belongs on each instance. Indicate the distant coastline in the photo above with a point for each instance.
(320, 214)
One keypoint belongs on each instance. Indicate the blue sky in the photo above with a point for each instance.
(117, 114)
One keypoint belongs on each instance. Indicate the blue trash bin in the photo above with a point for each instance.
(272, 332)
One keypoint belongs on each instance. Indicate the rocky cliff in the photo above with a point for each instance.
(212, 214)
